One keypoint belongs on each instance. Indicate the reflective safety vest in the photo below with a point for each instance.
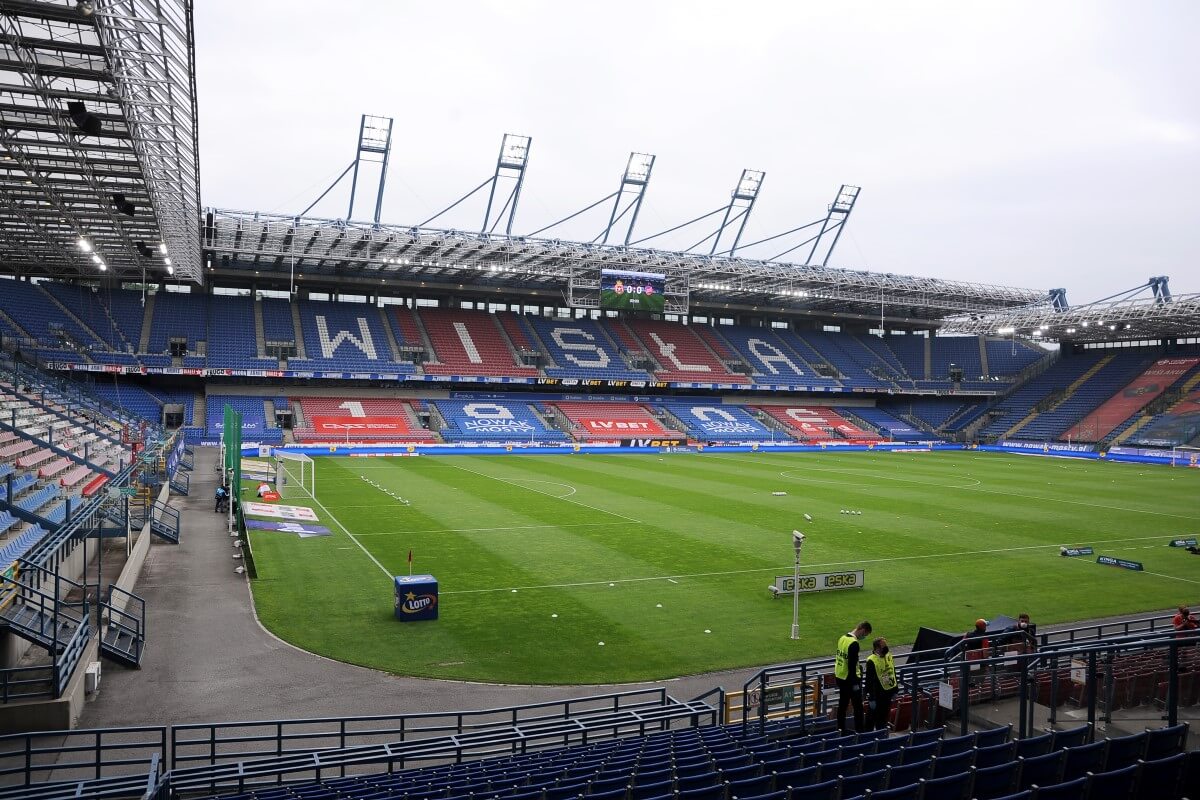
(885, 670)
(841, 660)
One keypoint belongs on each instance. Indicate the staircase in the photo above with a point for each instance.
(260, 336)
(199, 412)
(393, 345)
(297, 330)
(147, 321)
(512, 348)
(71, 315)
(113, 324)
(536, 340)
(983, 359)
(123, 627)
(1061, 398)
(34, 607)
(12, 324)
(269, 411)
(425, 340)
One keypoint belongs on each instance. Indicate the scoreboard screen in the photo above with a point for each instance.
(632, 291)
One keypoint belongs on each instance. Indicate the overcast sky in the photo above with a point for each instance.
(1031, 144)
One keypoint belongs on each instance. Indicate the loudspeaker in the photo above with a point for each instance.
(120, 203)
(143, 250)
(85, 120)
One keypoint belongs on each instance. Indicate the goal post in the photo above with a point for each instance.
(1185, 456)
(295, 474)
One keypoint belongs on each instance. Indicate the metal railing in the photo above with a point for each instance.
(130, 761)
(68, 757)
(929, 674)
(237, 741)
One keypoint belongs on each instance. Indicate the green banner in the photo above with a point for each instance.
(231, 437)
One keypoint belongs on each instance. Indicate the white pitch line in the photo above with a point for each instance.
(539, 491)
(858, 474)
(346, 530)
(503, 528)
(789, 566)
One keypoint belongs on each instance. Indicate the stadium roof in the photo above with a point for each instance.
(98, 149)
(1126, 319)
(242, 241)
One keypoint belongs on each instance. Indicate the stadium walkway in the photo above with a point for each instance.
(208, 660)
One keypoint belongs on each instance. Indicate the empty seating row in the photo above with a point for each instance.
(612, 421)
(488, 420)
(713, 764)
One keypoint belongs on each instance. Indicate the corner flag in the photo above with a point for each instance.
(410, 562)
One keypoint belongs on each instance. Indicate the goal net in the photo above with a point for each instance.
(1185, 456)
(295, 475)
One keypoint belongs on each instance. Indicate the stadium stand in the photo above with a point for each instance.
(345, 337)
(581, 349)
(1127, 403)
(817, 423)
(714, 422)
(255, 426)
(770, 358)
(681, 353)
(934, 413)
(277, 320)
(1083, 395)
(1011, 356)
(493, 420)
(787, 760)
(34, 310)
(232, 342)
(84, 304)
(469, 343)
(610, 421)
(888, 426)
(362, 420)
(1042, 390)
(177, 316)
(961, 351)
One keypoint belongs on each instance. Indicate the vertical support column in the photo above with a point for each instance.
(374, 139)
(514, 156)
(635, 180)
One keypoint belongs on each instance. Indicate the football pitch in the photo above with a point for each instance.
(667, 559)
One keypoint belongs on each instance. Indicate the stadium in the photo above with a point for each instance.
(295, 505)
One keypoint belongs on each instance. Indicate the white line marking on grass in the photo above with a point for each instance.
(503, 528)
(789, 566)
(672, 580)
(346, 530)
(859, 474)
(547, 494)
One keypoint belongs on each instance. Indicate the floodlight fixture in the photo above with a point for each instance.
(514, 151)
(749, 184)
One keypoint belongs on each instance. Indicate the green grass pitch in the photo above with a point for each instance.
(667, 559)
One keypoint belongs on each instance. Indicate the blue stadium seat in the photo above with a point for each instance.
(994, 781)
(1041, 770)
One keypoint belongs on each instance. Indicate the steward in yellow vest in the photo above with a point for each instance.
(881, 684)
(849, 681)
